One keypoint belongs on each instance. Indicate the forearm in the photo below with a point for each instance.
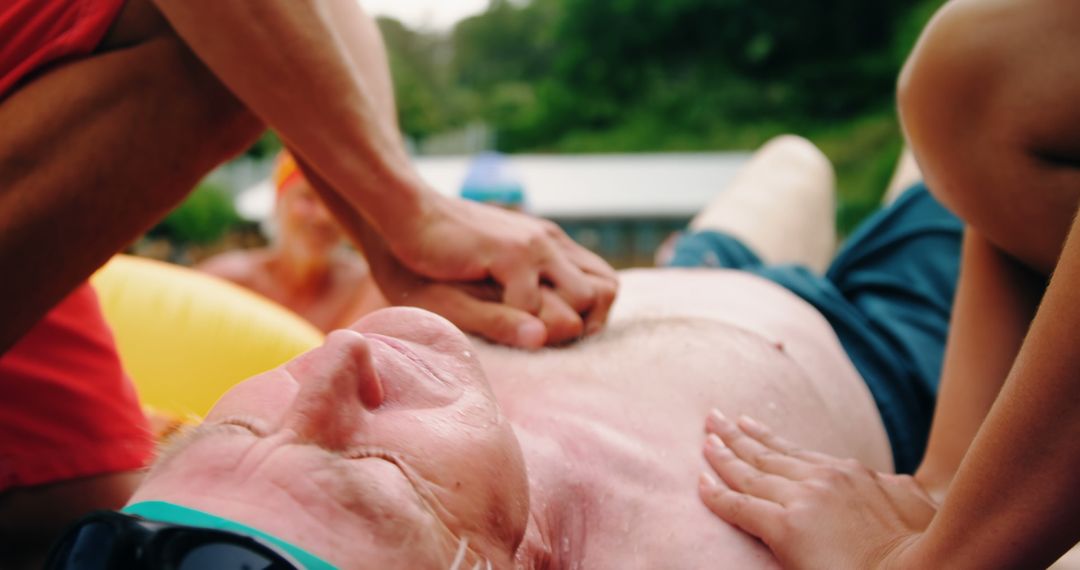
(359, 231)
(1014, 502)
(995, 302)
(314, 72)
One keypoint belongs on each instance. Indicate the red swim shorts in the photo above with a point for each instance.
(67, 409)
(36, 33)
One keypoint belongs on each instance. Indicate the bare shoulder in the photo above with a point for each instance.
(240, 267)
(351, 266)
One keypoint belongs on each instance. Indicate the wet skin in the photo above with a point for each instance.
(386, 446)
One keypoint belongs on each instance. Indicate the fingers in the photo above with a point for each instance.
(812, 511)
(571, 283)
(494, 321)
(587, 295)
(719, 424)
(777, 458)
(562, 322)
(742, 476)
(583, 279)
(753, 515)
(605, 289)
(521, 287)
(588, 261)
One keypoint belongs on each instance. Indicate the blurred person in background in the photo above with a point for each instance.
(308, 268)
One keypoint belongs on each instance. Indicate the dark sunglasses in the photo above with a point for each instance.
(108, 540)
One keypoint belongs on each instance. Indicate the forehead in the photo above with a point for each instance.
(466, 454)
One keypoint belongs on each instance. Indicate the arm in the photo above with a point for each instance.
(296, 65)
(315, 71)
(995, 301)
(473, 307)
(993, 124)
(1014, 501)
(807, 501)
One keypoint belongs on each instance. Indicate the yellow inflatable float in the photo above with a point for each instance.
(185, 337)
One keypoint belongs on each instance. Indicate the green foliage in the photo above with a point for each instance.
(671, 75)
(428, 101)
(268, 145)
(203, 218)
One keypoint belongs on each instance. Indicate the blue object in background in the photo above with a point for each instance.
(491, 180)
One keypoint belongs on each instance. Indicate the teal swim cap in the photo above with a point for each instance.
(162, 511)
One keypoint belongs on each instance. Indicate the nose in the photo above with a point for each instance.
(338, 387)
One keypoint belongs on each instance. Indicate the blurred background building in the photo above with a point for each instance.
(621, 117)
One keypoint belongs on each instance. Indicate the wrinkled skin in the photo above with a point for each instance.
(421, 459)
(607, 432)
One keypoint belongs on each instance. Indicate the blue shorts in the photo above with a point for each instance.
(888, 295)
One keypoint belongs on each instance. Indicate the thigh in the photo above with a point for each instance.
(94, 152)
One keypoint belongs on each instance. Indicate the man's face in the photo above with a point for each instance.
(382, 448)
(305, 221)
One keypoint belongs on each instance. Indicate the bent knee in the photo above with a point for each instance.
(793, 153)
(948, 84)
(981, 77)
(976, 97)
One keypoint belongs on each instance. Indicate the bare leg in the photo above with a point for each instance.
(988, 100)
(782, 205)
(98, 150)
(906, 173)
(94, 153)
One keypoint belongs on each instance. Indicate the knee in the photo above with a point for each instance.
(792, 153)
(943, 93)
(971, 96)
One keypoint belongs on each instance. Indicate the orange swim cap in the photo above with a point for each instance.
(286, 172)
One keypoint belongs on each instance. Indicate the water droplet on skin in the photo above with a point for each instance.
(466, 354)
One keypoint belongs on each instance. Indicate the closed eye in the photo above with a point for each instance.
(252, 425)
(236, 424)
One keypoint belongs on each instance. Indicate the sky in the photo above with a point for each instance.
(426, 14)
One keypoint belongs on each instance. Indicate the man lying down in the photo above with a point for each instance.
(401, 443)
